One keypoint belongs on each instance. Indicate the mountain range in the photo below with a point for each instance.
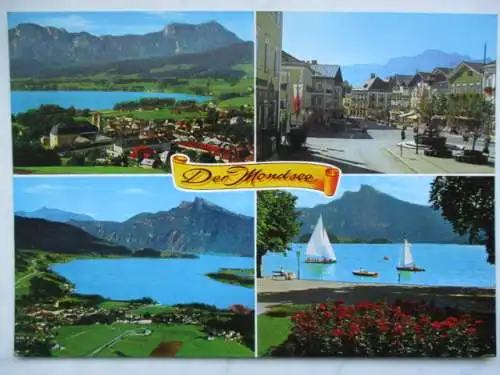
(191, 227)
(58, 47)
(194, 227)
(179, 50)
(423, 62)
(51, 236)
(53, 214)
(368, 214)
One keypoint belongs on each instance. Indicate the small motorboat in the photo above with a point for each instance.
(410, 268)
(386, 258)
(365, 273)
(320, 260)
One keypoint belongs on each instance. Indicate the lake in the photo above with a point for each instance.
(445, 265)
(168, 281)
(21, 101)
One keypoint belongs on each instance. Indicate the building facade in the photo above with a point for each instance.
(489, 89)
(268, 61)
(467, 77)
(328, 90)
(400, 95)
(372, 99)
(300, 75)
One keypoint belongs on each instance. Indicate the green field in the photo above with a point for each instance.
(275, 326)
(160, 114)
(105, 82)
(81, 341)
(86, 170)
(237, 102)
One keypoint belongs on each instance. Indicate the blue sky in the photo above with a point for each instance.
(116, 198)
(413, 189)
(374, 38)
(120, 23)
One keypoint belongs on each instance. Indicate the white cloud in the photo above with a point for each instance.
(43, 189)
(135, 191)
(70, 23)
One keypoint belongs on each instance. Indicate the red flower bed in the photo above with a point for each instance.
(379, 329)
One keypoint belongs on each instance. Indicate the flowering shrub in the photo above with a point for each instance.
(379, 329)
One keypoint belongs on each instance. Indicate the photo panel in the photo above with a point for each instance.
(392, 266)
(120, 92)
(387, 96)
(168, 274)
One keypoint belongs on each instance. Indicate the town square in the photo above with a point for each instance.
(427, 110)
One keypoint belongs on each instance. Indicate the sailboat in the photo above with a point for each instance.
(319, 249)
(406, 262)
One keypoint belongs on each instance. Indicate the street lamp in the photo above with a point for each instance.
(298, 265)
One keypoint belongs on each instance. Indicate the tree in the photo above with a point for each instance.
(206, 157)
(475, 109)
(468, 203)
(347, 87)
(277, 223)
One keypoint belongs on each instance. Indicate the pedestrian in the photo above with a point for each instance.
(403, 135)
(399, 277)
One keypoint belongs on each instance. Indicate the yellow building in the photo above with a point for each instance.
(64, 135)
(268, 61)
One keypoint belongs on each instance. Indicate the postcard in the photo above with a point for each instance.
(231, 185)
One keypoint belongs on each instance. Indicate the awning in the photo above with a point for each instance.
(408, 114)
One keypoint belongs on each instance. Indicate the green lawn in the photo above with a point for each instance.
(86, 170)
(82, 340)
(271, 332)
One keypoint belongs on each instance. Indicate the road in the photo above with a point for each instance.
(377, 151)
(34, 265)
(132, 332)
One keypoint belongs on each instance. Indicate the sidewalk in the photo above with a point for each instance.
(427, 164)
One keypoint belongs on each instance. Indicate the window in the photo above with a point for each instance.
(278, 18)
(267, 57)
(469, 73)
(276, 62)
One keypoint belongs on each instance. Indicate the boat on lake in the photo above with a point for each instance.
(386, 258)
(362, 272)
(406, 262)
(319, 249)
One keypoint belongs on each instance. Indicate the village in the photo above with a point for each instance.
(150, 142)
(124, 138)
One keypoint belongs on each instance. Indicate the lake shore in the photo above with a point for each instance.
(274, 292)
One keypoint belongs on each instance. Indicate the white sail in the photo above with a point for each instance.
(319, 244)
(315, 240)
(406, 256)
(328, 247)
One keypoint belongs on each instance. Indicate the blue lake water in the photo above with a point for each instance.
(445, 265)
(21, 101)
(168, 281)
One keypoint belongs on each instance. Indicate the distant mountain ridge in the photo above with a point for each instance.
(423, 62)
(53, 214)
(51, 236)
(192, 227)
(56, 47)
(368, 213)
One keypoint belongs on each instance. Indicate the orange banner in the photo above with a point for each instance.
(266, 175)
